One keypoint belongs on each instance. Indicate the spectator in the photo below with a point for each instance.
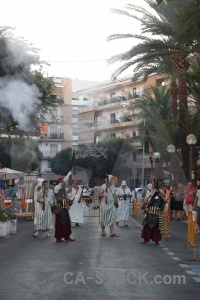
(190, 197)
(197, 205)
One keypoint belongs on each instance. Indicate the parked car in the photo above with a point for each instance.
(138, 192)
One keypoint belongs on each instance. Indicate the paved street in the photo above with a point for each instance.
(95, 267)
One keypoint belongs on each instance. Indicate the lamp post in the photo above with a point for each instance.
(191, 140)
(171, 149)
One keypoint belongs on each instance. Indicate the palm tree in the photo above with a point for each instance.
(189, 17)
(160, 50)
(159, 129)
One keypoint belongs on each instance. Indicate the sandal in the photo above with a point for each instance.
(143, 242)
(70, 239)
(103, 234)
(114, 235)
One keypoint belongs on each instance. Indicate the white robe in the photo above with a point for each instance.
(123, 209)
(43, 219)
(76, 209)
(108, 211)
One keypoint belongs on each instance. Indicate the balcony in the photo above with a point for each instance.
(56, 136)
(52, 136)
(49, 154)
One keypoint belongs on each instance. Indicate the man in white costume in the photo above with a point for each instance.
(107, 206)
(124, 195)
(76, 209)
(43, 198)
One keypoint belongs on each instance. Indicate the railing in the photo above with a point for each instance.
(55, 136)
(49, 153)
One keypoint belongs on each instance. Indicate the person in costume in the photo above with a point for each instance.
(37, 207)
(76, 209)
(107, 206)
(152, 223)
(45, 198)
(62, 221)
(124, 195)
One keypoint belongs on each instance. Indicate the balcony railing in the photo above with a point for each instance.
(117, 99)
(49, 154)
(54, 136)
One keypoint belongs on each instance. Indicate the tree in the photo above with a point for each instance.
(60, 163)
(19, 154)
(25, 94)
(159, 130)
(161, 50)
(95, 163)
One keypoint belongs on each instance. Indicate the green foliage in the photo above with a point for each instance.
(157, 127)
(96, 163)
(6, 214)
(25, 93)
(60, 163)
(20, 154)
(3, 215)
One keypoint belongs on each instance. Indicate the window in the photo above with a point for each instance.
(134, 156)
(112, 118)
(160, 82)
(113, 135)
(112, 95)
(85, 99)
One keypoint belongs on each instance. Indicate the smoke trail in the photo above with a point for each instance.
(19, 54)
(20, 99)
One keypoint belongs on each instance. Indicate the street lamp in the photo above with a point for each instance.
(156, 157)
(171, 149)
(191, 140)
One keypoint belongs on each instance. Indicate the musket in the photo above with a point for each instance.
(71, 166)
(106, 190)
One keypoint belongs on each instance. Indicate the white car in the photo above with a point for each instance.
(138, 192)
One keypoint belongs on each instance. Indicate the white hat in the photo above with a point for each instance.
(149, 186)
(40, 180)
(123, 182)
(109, 177)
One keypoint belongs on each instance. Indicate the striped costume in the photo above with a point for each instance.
(108, 211)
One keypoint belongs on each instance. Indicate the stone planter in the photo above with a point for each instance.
(8, 227)
(13, 225)
(4, 228)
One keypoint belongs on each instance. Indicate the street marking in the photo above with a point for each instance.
(190, 272)
(137, 223)
(170, 253)
(183, 266)
(176, 258)
(196, 269)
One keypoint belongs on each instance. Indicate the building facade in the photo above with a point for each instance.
(108, 115)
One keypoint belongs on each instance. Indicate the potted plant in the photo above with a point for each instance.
(13, 220)
(4, 223)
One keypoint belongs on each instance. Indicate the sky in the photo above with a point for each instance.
(72, 34)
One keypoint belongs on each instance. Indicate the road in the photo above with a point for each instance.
(95, 267)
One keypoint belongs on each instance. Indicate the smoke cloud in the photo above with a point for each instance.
(20, 99)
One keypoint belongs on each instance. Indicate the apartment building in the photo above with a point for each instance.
(78, 102)
(109, 115)
(60, 130)
(56, 132)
